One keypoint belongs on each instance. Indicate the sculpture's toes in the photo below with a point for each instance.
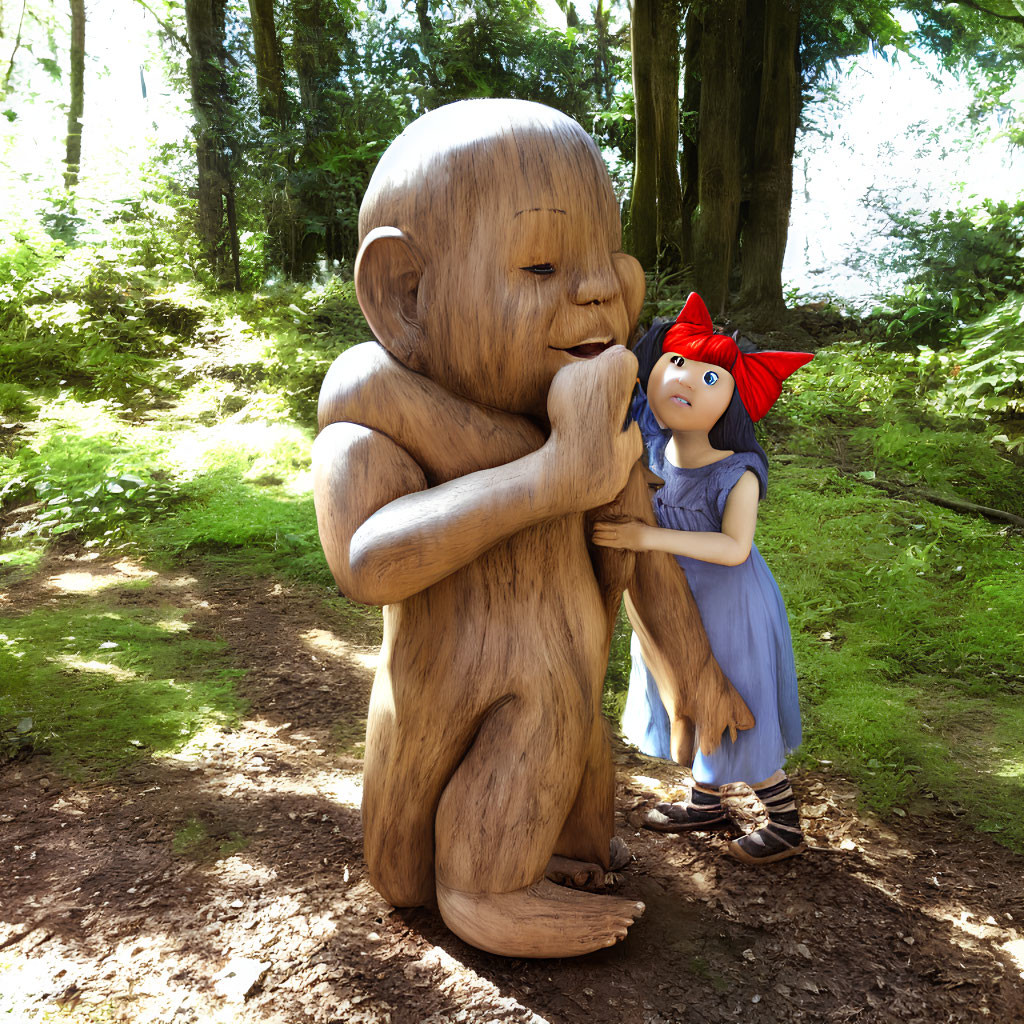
(540, 920)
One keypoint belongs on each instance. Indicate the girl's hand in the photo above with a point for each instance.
(630, 535)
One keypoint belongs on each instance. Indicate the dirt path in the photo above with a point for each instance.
(226, 884)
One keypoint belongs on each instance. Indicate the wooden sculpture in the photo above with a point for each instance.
(457, 462)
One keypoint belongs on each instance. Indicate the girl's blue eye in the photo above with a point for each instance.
(710, 377)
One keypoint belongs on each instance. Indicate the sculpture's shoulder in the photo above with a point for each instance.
(352, 389)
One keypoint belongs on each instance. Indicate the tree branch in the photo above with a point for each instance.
(956, 504)
(1016, 18)
(179, 39)
(17, 43)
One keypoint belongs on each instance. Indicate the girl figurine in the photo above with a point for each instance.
(702, 397)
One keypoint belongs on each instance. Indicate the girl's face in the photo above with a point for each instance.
(685, 394)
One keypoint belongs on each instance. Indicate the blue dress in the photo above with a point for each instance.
(744, 618)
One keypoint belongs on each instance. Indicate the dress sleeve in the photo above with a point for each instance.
(729, 475)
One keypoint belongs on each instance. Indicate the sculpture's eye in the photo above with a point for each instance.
(540, 268)
(677, 360)
(710, 377)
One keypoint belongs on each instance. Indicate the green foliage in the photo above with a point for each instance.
(77, 314)
(95, 684)
(616, 680)
(305, 336)
(959, 266)
(899, 417)
(79, 473)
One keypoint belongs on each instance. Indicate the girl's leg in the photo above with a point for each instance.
(781, 837)
(700, 812)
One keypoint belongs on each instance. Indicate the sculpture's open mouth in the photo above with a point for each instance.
(588, 349)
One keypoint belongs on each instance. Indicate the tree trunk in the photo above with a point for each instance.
(656, 203)
(604, 71)
(719, 150)
(269, 75)
(665, 88)
(217, 227)
(73, 150)
(767, 226)
(688, 171)
(277, 203)
(643, 203)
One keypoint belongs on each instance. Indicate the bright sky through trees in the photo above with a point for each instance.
(898, 128)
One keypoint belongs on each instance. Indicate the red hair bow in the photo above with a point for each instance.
(758, 375)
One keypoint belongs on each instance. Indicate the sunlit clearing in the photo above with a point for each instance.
(326, 641)
(78, 664)
(258, 451)
(91, 583)
(172, 626)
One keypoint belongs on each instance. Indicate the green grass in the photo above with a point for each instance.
(97, 684)
(908, 639)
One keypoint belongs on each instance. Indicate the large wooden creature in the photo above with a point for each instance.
(457, 462)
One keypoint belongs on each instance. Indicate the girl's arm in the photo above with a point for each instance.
(730, 547)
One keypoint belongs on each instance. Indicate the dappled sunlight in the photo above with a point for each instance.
(76, 663)
(81, 581)
(172, 625)
(339, 787)
(323, 640)
(1015, 950)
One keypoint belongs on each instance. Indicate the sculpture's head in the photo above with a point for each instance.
(489, 253)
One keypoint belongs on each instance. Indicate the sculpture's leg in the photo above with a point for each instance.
(583, 852)
(498, 822)
(404, 774)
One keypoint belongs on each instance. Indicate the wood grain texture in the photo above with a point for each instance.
(459, 460)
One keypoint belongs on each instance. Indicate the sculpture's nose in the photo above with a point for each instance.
(595, 285)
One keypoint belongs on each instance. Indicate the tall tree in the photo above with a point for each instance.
(73, 147)
(655, 217)
(215, 145)
(718, 157)
(763, 243)
(269, 66)
(276, 155)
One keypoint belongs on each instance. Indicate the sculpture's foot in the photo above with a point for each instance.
(582, 874)
(542, 920)
(579, 874)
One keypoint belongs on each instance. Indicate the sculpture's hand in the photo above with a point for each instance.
(718, 707)
(588, 457)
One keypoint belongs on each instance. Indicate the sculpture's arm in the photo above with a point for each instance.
(667, 622)
(387, 535)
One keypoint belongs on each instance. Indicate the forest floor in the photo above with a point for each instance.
(226, 882)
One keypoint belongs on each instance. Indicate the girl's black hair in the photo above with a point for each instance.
(734, 431)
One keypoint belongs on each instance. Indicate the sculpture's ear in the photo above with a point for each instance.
(634, 284)
(388, 272)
